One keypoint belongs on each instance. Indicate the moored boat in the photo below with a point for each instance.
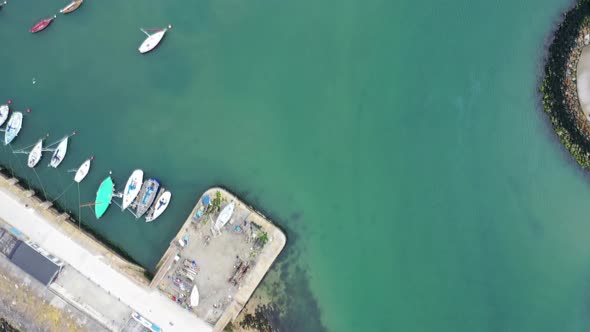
(42, 25)
(195, 296)
(4, 110)
(161, 204)
(104, 196)
(225, 215)
(71, 6)
(35, 154)
(152, 40)
(146, 196)
(132, 188)
(82, 171)
(59, 153)
(13, 128)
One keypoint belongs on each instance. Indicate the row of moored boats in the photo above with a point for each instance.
(140, 197)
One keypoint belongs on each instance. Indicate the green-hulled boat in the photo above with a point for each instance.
(104, 195)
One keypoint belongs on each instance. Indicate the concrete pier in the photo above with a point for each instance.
(221, 302)
(225, 265)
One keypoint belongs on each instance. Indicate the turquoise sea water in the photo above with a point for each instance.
(399, 143)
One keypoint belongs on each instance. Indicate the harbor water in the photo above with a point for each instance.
(399, 144)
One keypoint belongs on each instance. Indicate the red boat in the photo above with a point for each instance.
(42, 25)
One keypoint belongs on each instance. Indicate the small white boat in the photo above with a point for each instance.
(132, 188)
(225, 215)
(195, 296)
(82, 171)
(3, 113)
(59, 153)
(14, 125)
(152, 40)
(159, 207)
(35, 154)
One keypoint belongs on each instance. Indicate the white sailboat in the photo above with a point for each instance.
(14, 125)
(159, 207)
(35, 154)
(132, 188)
(225, 215)
(82, 171)
(152, 40)
(4, 110)
(195, 296)
(59, 153)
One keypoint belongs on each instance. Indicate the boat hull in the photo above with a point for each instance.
(35, 154)
(104, 196)
(82, 171)
(152, 41)
(161, 204)
(132, 188)
(14, 125)
(146, 196)
(4, 110)
(42, 25)
(225, 215)
(59, 153)
(71, 7)
(195, 296)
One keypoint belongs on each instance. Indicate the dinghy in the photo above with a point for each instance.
(14, 124)
(4, 109)
(225, 215)
(159, 207)
(59, 153)
(146, 197)
(152, 40)
(132, 188)
(35, 154)
(104, 196)
(71, 7)
(42, 24)
(82, 171)
(195, 296)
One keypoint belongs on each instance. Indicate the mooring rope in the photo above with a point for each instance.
(65, 190)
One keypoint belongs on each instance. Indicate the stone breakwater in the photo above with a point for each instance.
(559, 84)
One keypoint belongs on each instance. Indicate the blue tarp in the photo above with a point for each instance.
(206, 200)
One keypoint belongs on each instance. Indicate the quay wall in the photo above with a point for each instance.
(68, 225)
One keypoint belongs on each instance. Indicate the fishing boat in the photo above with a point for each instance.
(35, 154)
(146, 197)
(42, 24)
(4, 110)
(82, 171)
(195, 296)
(152, 40)
(59, 153)
(3, 3)
(132, 188)
(162, 202)
(14, 125)
(104, 196)
(71, 6)
(225, 215)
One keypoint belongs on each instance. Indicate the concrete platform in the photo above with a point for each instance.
(224, 289)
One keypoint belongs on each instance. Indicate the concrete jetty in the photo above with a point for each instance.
(226, 265)
(220, 258)
(90, 260)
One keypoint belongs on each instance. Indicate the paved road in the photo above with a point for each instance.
(149, 303)
(583, 79)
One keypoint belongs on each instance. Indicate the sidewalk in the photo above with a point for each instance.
(150, 304)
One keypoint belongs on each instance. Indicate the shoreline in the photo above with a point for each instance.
(558, 86)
